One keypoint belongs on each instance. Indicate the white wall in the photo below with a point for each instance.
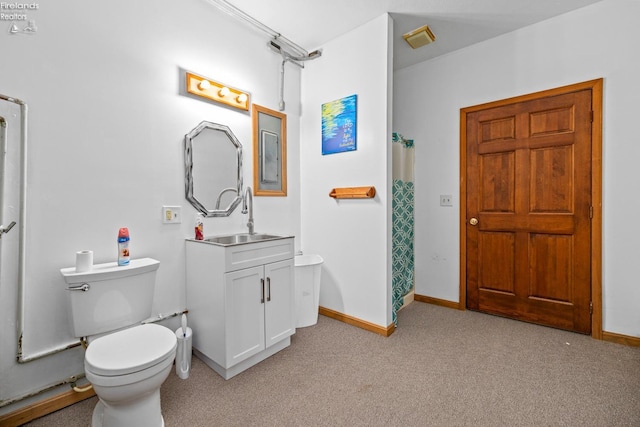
(593, 42)
(106, 129)
(353, 236)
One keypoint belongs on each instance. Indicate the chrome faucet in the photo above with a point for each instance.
(248, 195)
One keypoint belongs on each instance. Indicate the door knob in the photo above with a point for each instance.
(473, 221)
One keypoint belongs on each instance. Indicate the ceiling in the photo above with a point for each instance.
(455, 23)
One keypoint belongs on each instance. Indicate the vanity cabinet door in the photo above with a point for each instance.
(280, 300)
(244, 320)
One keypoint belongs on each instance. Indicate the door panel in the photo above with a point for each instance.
(528, 175)
(280, 305)
(497, 261)
(551, 180)
(497, 182)
(551, 268)
(245, 314)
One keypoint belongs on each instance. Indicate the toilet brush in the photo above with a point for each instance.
(184, 364)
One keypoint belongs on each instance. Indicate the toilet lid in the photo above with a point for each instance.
(130, 350)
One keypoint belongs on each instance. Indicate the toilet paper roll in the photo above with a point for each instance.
(84, 261)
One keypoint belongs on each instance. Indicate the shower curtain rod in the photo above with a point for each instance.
(237, 13)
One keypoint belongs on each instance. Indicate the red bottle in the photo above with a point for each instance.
(199, 227)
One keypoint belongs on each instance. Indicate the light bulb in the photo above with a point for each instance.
(242, 98)
(204, 85)
(223, 92)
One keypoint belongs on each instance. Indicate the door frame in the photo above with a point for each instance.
(596, 190)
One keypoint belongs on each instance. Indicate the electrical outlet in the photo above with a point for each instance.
(172, 214)
(446, 200)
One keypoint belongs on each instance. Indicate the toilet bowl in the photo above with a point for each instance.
(127, 369)
(126, 360)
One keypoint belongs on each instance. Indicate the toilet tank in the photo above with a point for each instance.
(114, 296)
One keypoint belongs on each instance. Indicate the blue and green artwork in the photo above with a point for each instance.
(339, 125)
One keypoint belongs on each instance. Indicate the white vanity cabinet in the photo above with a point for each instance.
(241, 301)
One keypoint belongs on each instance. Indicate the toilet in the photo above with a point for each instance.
(125, 361)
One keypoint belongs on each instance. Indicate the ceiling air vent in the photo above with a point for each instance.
(419, 37)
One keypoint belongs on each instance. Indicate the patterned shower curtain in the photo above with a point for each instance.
(402, 234)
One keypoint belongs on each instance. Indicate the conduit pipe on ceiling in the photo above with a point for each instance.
(288, 57)
(237, 13)
(290, 51)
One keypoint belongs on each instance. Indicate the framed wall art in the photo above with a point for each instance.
(339, 125)
(269, 152)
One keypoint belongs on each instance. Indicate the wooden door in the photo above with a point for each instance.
(529, 209)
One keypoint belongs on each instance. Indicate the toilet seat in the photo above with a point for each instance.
(130, 350)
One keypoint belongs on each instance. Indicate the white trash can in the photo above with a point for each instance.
(307, 273)
(183, 353)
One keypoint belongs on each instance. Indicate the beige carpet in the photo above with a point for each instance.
(441, 367)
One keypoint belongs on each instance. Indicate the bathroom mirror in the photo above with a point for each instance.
(213, 161)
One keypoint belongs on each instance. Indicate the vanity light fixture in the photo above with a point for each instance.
(210, 89)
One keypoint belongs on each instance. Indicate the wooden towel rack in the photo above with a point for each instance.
(353, 192)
